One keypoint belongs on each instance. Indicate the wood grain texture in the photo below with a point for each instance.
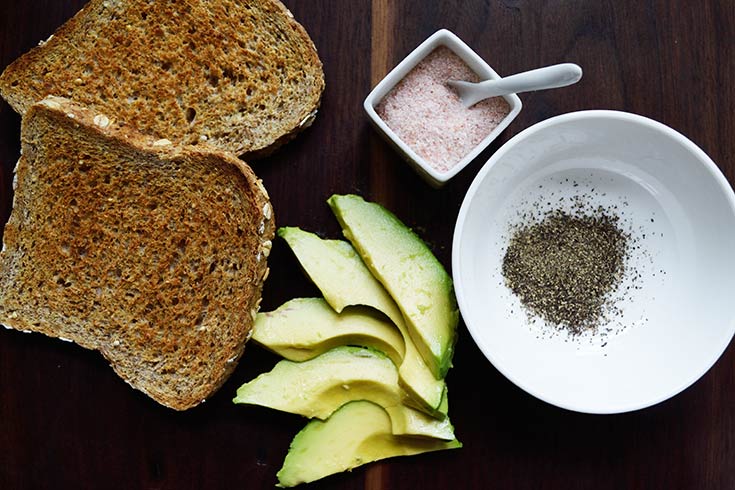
(382, 39)
(68, 422)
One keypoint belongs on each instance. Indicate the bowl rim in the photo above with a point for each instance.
(689, 145)
(446, 38)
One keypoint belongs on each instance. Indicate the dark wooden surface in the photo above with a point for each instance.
(66, 420)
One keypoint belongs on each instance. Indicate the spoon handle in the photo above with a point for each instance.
(541, 78)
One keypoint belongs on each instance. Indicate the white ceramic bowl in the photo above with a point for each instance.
(678, 205)
(442, 37)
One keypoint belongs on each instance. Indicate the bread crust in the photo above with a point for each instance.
(243, 76)
(155, 255)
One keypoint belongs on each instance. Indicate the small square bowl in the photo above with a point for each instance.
(445, 38)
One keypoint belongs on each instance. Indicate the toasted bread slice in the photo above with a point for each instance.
(153, 255)
(242, 75)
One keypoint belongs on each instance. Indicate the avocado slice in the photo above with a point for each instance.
(342, 277)
(318, 387)
(358, 433)
(411, 274)
(303, 328)
(324, 261)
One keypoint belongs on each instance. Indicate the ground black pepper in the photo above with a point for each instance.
(565, 266)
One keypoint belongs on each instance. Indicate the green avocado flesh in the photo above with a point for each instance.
(358, 433)
(410, 273)
(342, 277)
(327, 260)
(318, 387)
(303, 328)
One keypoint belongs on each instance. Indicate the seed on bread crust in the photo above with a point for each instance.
(101, 120)
(308, 120)
(44, 41)
(267, 245)
(50, 102)
(261, 187)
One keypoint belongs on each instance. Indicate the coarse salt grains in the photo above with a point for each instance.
(428, 116)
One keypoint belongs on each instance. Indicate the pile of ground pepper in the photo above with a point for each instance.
(565, 268)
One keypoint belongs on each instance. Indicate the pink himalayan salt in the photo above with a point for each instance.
(428, 116)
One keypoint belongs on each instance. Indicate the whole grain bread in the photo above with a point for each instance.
(152, 254)
(242, 75)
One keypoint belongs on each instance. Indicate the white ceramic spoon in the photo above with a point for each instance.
(541, 78)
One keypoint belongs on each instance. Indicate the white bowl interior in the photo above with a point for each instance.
(675, 202)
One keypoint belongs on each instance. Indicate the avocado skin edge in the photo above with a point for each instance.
(344, 279)
(304, 466)
(440, 361)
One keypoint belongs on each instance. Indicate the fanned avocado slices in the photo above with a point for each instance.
(320, 386)
(358, 433)
(344, 280)
(411, 274)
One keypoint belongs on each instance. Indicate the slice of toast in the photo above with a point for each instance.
(152, 254)
(240, 74)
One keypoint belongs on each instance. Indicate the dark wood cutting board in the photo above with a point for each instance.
(67, 421)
